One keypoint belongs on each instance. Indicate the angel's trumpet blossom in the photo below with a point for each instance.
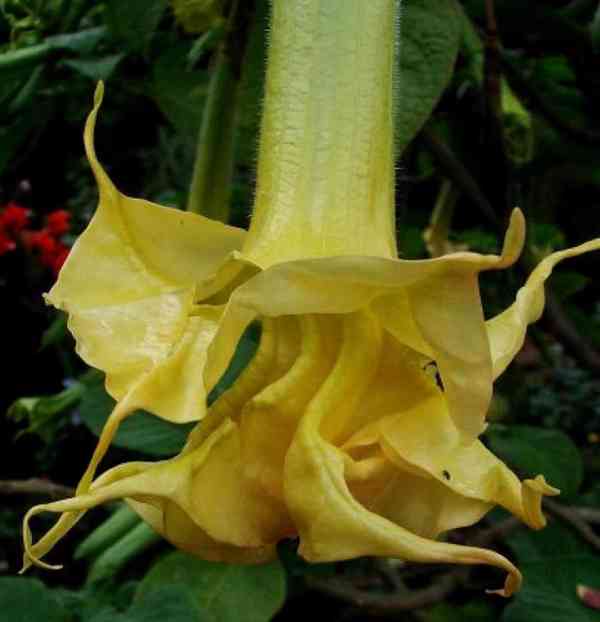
(355, 426)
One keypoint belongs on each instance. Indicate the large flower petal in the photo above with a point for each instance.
(338, 285)
(191, 500)
(331, 522)
(132, 276)
(412, 500)
(427, 439)
(506, 331)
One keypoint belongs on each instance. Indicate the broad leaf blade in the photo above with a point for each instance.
(431, 32)
(533, 451)
(228, 592)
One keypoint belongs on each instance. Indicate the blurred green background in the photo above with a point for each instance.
(498, 105)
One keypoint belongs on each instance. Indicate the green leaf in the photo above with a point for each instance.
(549, 590)
(245, 350)
(228, 592)
(118, 555)
(42, 413)
(178, 91)
(553, 540)
(28, 600)
(107, 533)
(134, 22)
(553, 562)
(95, 68)
(567, 283)
(171, 603)
(431, 32)
(533, 451)
(56, 332)
(205, 43)
(82, 42)
(476, 611)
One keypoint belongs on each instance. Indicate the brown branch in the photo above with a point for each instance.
(35, 486)
(574, 518)
(590, 515)
(492, 66)
(379, 604)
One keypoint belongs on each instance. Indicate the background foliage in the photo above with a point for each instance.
(497, 105)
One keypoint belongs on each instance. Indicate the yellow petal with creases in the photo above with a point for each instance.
(426, 438)
(331, 522)
(132, 276)
(191, 500)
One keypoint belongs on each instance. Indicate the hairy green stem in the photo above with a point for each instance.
(210, 190)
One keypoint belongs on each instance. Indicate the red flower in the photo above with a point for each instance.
(6, 244)
(14, 218)
(58, 222)
(59, 258)
(41, 242)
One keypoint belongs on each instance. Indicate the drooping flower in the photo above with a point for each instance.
(339, 431)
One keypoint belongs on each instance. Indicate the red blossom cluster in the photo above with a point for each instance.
(45, 243)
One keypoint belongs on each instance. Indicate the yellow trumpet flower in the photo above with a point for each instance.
(338, 432)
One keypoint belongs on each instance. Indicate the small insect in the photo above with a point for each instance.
(431, 369)
(446, 474)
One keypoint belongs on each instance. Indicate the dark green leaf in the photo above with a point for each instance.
(245, 350)
(56, 332)
(141, 432)
(107, 533)
(223, 590)
(23, 599)
(533, 451)
(82, 42)
(567, 283)
(134, 22)
(431, 32)
(171, 603)
(553, 540)
(42, 413)
(476, 611)
(95, 68)
(553, 562)
(123, 551)
(549, 591)
(205, 43)
(178, 91)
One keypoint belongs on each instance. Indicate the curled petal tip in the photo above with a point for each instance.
(534, 490)
(539, 484)
(514, 239)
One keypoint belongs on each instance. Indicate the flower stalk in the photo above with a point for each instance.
(326, 168)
